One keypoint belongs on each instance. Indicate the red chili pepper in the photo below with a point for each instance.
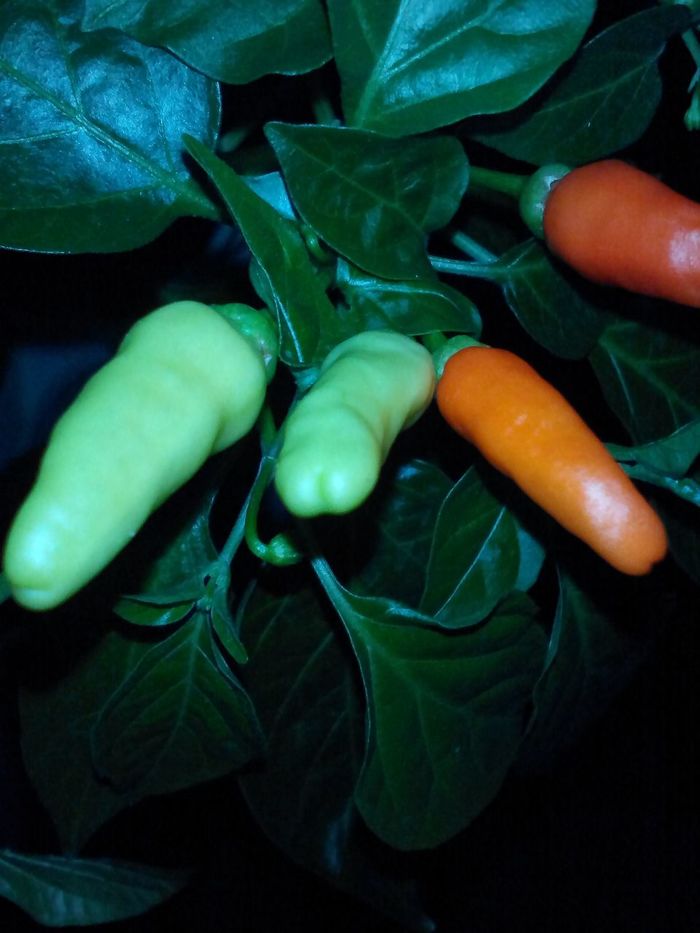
(617, 225)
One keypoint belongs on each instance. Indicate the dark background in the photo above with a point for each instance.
(608, 839)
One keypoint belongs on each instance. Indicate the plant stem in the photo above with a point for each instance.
(693, 46)
(471, 247)
(233, 542)
(476, 270)
(323, 111)
(503, 182)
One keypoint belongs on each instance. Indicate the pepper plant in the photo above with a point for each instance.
(364, 683)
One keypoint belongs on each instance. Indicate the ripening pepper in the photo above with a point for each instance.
(617, 225)
(526, 429)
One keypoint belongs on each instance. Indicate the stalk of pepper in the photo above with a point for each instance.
(526, 429)
(617, 225)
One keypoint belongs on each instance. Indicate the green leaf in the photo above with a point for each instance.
(56, 720)
(61, 891)
(603, 102)
(547, 306)
(171, 583)
(5, 590)
(90, 141)
(232, 42)
(683, 528)
(446, 712)
(673, 455)
(397, 531)
(416, 307)
(373, 199)
(475, 556)
(223, 623)
(307, 320)
(589, 659)
(303, 683)
(271, 188)
(650, 378)
(407, 66)
(175, 720)
(177, 578)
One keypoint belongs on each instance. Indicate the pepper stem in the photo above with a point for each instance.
(503, 182)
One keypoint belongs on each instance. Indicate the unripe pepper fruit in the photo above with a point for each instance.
(526, 429)
(335, 440)
(617, 225)
(183, 385)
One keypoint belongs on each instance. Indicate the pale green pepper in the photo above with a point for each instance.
(337, 437)
(183, 385)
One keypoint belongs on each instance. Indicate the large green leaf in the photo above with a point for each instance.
(303, 682)
(56, 722)
(65, 892)
(603, 103)
(446, 711)
(394, 533)
(547, 306)
(308, 322)
(475, 558)
(589, 659)
(419, 306)
(372, 198)
(408, 66)
(232, 42)
(650, 378)
(90, 138)
(160, 715)
(176, 719)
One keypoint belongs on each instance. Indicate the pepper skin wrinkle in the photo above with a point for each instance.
(336, 439)
(526, 429)
(183, 385)
(617, 225)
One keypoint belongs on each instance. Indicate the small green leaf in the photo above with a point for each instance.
(152, 615)
(408, 67)
(604, 102)
(59, 891)
(5, 591)
(421, 306)
(683, 528)
(176, 579)
(446, 712)
(175, 720)
(672, 456)
(650, 378)
(306, 318)
(475, 556)
(271, 188)
(223, 623)
(373, 199)
(547, 306)
(232, 42)
(90, 141)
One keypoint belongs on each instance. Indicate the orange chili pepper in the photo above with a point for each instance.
(526, 429)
